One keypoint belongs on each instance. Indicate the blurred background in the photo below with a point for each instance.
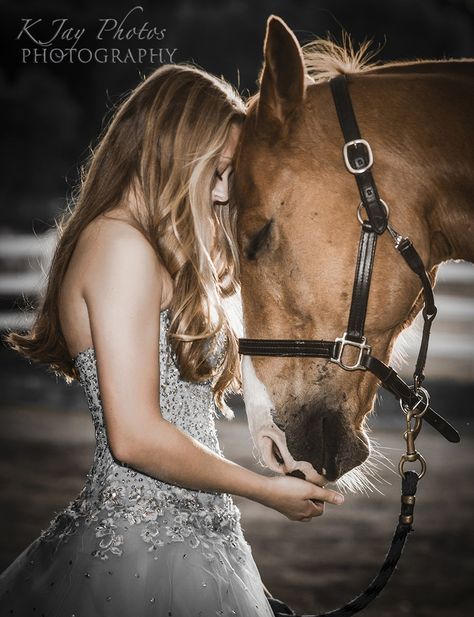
(53, 112)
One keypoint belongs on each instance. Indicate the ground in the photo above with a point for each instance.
(315, 566)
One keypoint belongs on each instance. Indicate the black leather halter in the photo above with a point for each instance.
(358, 159)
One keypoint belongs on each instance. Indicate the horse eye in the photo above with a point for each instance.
(259, 241)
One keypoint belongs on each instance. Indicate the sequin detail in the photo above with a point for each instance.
(118, 500)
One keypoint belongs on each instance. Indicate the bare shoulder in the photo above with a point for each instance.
(113, 276)
(111, 245)
(105, 237)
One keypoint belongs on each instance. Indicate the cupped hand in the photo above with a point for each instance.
(297, 499)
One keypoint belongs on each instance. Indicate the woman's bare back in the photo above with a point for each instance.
(91, 246)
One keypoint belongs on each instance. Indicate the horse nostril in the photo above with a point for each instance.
(277, 454)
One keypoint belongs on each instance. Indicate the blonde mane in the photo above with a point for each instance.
(324, 58)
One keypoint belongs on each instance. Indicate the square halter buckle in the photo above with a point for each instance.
(343, 342)
(360, 164)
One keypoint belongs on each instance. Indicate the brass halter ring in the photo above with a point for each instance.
(425, 401)
(361, 206)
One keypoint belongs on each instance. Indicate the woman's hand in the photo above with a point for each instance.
(297, 499)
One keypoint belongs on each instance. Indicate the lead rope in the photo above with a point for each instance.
(404, 527)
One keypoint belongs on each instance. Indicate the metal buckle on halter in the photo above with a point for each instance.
(362, 347)
(361, 165)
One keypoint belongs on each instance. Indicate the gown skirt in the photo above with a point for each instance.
(130, 545)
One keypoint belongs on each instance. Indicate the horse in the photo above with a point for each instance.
(297, 231)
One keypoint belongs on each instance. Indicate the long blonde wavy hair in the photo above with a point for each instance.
(164, 141)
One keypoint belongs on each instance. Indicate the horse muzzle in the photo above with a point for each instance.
(321, 446)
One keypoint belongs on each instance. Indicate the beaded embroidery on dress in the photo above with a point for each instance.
(130, 545)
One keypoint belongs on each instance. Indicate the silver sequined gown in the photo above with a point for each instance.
(130, 545)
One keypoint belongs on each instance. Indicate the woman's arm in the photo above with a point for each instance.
(123, 296)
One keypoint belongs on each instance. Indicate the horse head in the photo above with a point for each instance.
(298, 235)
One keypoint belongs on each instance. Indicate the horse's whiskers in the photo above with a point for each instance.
(379, 455)
(355, 481)
(366, 476)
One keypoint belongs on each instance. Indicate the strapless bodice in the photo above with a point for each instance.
(186, 404)
(117, 497)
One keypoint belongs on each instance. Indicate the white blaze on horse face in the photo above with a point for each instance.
(264, 431)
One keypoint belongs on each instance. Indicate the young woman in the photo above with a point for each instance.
(134, 311)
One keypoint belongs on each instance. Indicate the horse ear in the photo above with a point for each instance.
(282, 83)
